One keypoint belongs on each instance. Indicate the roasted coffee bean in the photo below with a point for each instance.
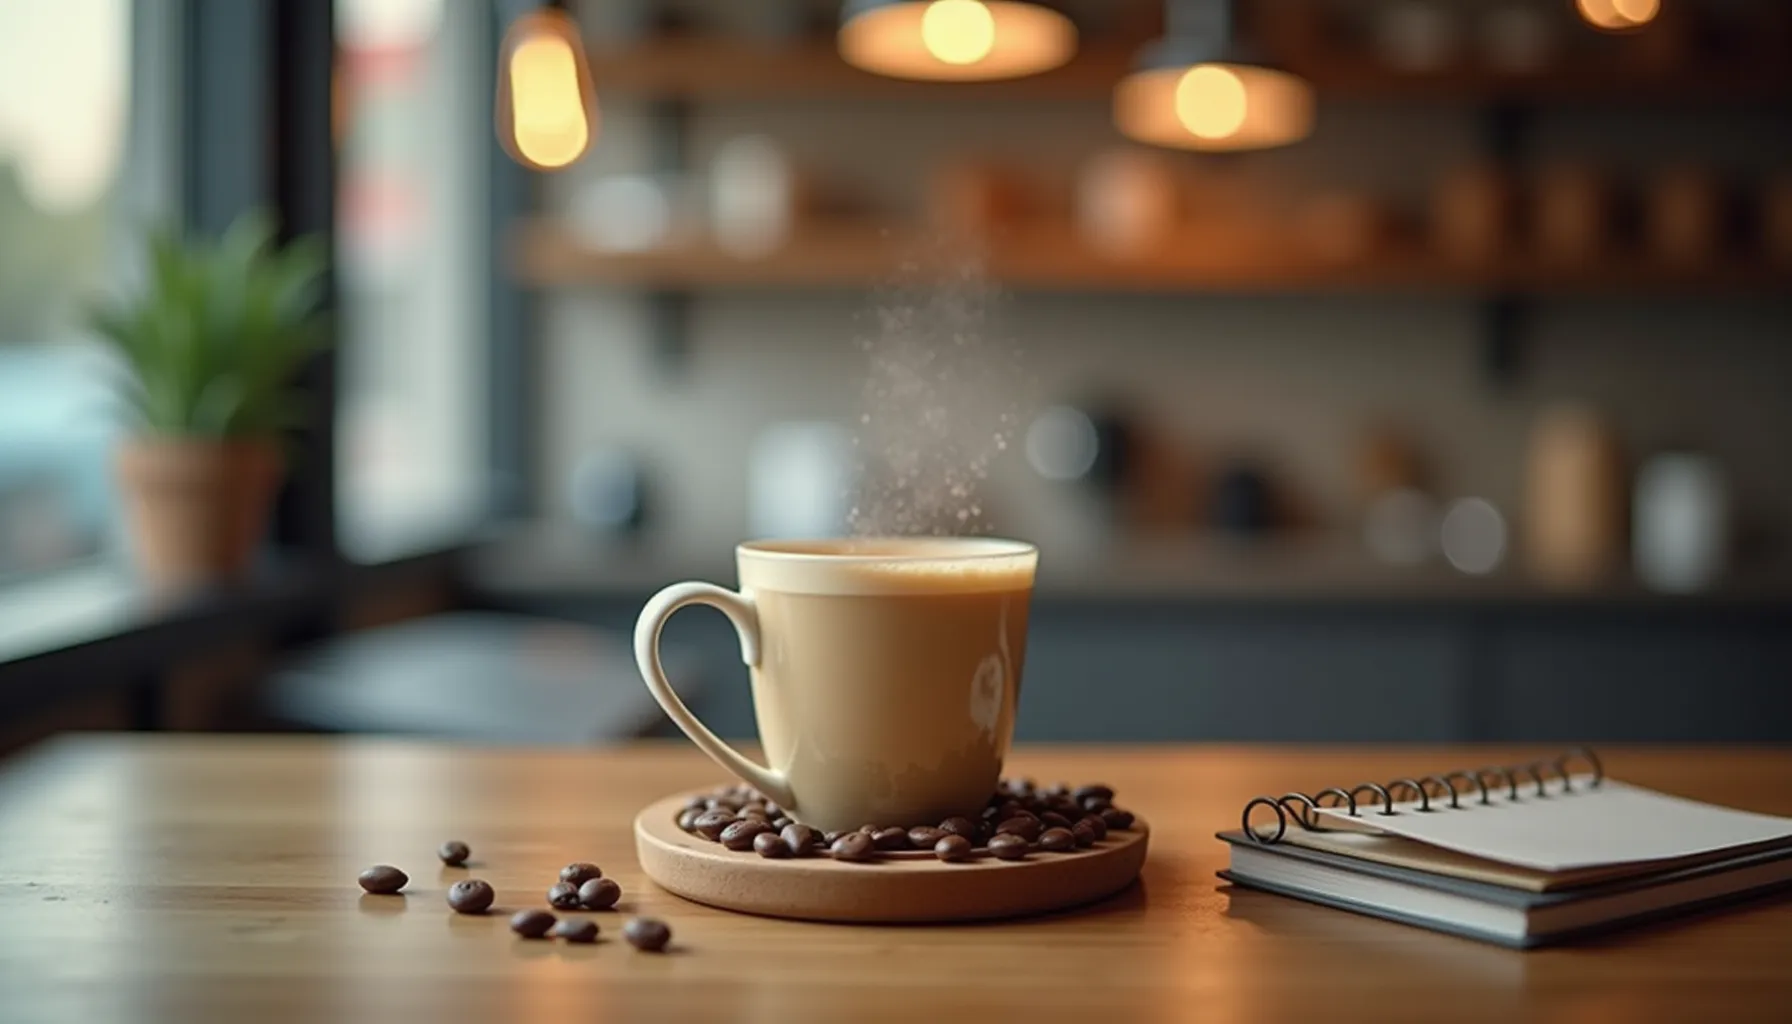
(599, 894)
(773, 808)
(1052, 819)
(1027, 828)
(687, 818)
(1099, 827)
(579, 873)
(922, 837)
(454, 853)
(1116, 819)
(697, 803)
(890, 839)
(951, 847)
(756, 807)
(647, 934)
(1008, 846)
(1096, 804)
(755, 814)
(801, 838)
(710, 824)
(564, 896)
(575, 931)
(739, 836)
(531, 924)
(771, 846)
(1055, 790)
(830, 838)
(471, 896)
(871, 830)
(959, 826)
(383, 879)
(1084, 835)
(781, 823)
(1057, 840)
(853, 846)
(1082, 793)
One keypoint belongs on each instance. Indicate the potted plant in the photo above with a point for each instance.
(211, 346)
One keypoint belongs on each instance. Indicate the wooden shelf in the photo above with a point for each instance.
(543, 254)
(717, 68)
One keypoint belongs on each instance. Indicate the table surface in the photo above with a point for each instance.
(165, 878)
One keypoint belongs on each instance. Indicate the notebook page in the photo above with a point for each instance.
(1614, 823)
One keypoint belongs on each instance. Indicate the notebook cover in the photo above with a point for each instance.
(1518, 898)
(1522, 942)
(1522, 899)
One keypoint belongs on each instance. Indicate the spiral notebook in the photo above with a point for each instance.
(1520, 855)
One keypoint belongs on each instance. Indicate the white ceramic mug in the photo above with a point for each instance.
(885, 672)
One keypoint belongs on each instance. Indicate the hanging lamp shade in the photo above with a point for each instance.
(954, 40)
(1193, 89)
(546, 109)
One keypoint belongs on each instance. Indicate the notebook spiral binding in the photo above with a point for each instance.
(1305, 809)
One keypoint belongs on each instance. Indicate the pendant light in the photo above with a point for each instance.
(546, 108)
(1193, 89)
(1618, 15)
(954, 40)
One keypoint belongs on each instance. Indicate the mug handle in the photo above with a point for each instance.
(740, 610)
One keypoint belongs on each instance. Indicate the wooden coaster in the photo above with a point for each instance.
(903, 887)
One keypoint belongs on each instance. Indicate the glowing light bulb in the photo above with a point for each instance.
(546, 112)
(1211, 102)
(958, 31)
(1618, 15)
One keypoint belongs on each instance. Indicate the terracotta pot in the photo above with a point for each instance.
(196, 509)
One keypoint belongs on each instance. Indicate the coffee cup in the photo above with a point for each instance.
(885, 672)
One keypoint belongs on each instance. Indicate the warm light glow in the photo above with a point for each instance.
(1210, 101)
(546, 112)
(1214, 107)
(1618, 15)
(958, 31)
(957, 40)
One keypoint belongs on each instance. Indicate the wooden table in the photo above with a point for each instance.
(198, 879)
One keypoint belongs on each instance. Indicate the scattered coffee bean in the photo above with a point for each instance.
(471, 896)
(739, 836)
(771, 846)
(773, 808)
(1026, 827)
(531, 924)
(1096, 804)
(687, 818)
(579, 873)
(575, 931)
(1099, 827)
(564, 896)
(1055, 791)
(890, 839)
(870, 830)
(647, 934)
(781, 823)
(1117, 819)
(922, 837)
(599, 894)
(1052, 819)
(801, 838)
(710, 824)
(454, 853)
(1082, 793)
(830, 838)
(697, 803)
(853, 846)
(383, 879)
(959, 826)
(1057, 840)
(950, 847)
(1084, 835)
(1008, 846)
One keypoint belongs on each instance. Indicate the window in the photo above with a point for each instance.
(414, 125)
(85, 138)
